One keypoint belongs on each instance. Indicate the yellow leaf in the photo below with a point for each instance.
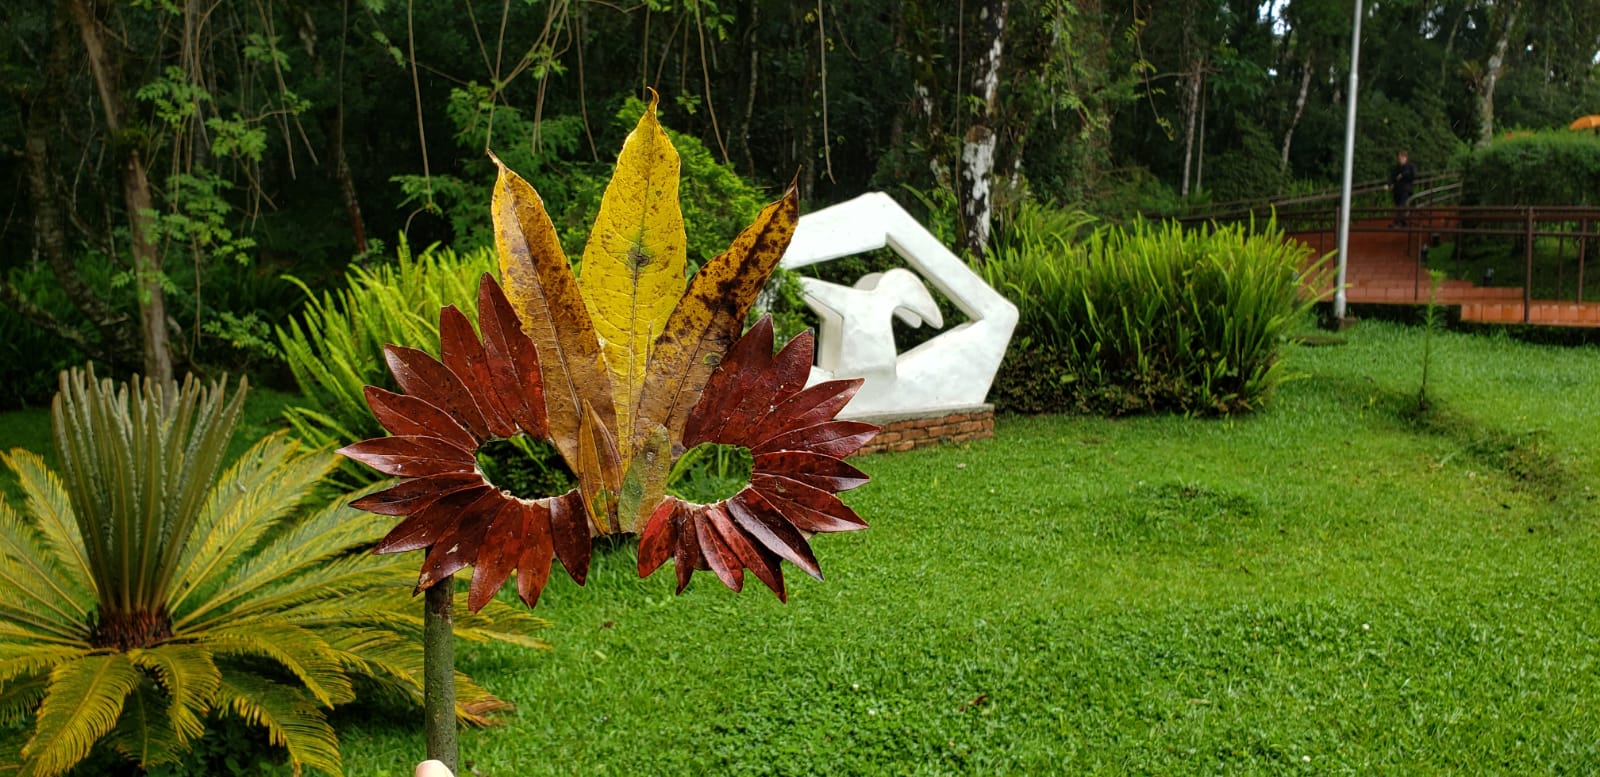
(539, 284)
(633, 265)
(709, 318)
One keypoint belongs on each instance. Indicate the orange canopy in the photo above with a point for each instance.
(1591, 121)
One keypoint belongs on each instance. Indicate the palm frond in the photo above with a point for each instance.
(301, 651)
(189, 677)
(38, 595)
(144, 733)
(81, 705)
(45, 498)
(265, 484)
(17, 660)
(298, 559)
(19, 699)
(291, 719)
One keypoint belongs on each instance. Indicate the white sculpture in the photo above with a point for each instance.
(953, 370)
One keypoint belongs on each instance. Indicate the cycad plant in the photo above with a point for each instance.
(147, 589)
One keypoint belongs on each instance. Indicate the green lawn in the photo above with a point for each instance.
(1328, 580)
(1330, 586)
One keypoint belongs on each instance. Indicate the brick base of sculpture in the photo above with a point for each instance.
(919, 430)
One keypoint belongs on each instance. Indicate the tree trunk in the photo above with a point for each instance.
(978, 145)
(1191, 117)
(439, 672)
(48, 226)
(1299, 110)
(155, 343)
(1491, 75)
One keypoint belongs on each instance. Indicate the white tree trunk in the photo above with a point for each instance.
(1491, 76)
(1191, 116)
(1299, 110)
(978, 145)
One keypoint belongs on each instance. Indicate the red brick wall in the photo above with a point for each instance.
(903, 434)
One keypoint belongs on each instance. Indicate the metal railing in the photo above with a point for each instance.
(1427, 227)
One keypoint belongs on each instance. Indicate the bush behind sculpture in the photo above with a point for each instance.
(1147, 319)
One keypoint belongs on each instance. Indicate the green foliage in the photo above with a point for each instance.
(1556, 167)
(710, 472)
(152, 591)
(1249, 171)
(1150, 318)
(525, 467)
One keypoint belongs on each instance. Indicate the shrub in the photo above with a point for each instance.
(1558, 167)
(1151, 318)
(149, 590)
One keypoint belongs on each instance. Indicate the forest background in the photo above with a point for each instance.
(178, 174)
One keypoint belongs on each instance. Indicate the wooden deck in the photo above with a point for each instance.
(1383, 270)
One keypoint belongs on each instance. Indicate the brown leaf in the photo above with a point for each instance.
(410, 456)
(750, 355)
(459, 544)
(815, 469)
(763, 565)
(402, 414)
(721, 558)
(762, 390)
(426, 525)
(513, 359)
(659, 538)
(599, 473)
(462, 352)
(767, 526)
(423, 376)
(538, 548)
(687, 553)
(809, 509)
(833, 438)
(541, 288)
(569, 529)
(811, 406)
(707, 320)
(410, 496)
(498, 554)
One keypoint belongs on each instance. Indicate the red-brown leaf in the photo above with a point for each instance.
(757, 517)
(832, 438)
(569, 529)
(808, 508)
(409, 496)
(533, 566)
(421, 375)
(750, 356)
(426, 525)
(497, 554)
(824, 472)
(766, 388)
(812, 406)
(402, 414)
(411, 456)
(459, 545)
(764, 565)
(659, 538)
(687, 557)
(513, 359)
(464, 355)
(723, 561)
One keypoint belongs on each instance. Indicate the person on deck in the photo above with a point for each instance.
(1401, 177)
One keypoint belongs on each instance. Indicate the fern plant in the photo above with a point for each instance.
(148, 589)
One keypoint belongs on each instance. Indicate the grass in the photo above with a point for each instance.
(1335, 579)
(1333, 585)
